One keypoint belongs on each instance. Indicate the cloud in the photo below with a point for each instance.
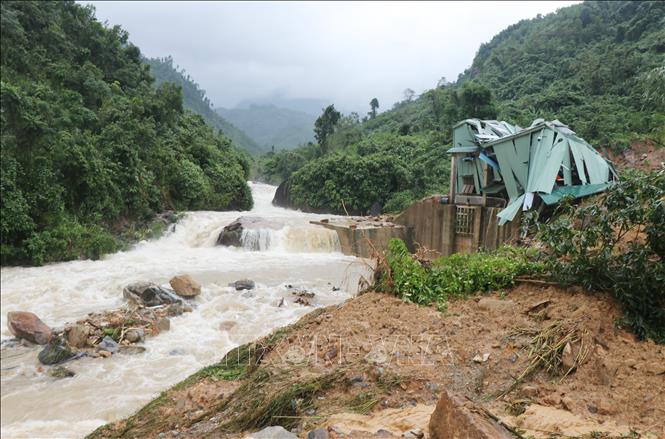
(346, 53)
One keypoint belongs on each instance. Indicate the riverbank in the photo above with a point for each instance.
(376, 366)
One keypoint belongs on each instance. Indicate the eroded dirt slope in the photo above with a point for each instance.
(378, 363)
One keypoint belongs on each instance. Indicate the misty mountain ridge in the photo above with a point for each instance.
(311, 106)
(269, 125)
(195, 99)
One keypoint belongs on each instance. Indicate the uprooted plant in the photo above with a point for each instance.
(546, 350)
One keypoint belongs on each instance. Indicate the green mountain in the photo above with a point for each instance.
(196, 100)
(596, 66)
(270, 126)
(89, 144)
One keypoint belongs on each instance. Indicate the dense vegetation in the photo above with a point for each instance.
(195, 99)
(597, 67)
(458, 275)
(613, 243)
(88, 143)
(271, 126)
(616, 243)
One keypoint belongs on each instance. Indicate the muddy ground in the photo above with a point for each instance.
(377, 363)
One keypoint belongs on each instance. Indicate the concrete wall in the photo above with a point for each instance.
(432, 225)
(365, 241)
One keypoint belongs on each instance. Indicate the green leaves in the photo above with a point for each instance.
(614, 243)
(88, 143)
(454, 276)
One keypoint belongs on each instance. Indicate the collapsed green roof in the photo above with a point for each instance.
(546, 159)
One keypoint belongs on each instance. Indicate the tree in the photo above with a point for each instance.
(409, 94)
(476, 101)
(442, 83)
(374, 104)
(325, 126)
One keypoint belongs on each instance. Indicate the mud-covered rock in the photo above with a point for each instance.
(28, 326)
(185, 286)
(456, 416)
(149, 294)
(77, 335)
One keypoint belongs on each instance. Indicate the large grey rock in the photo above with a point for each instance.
(55, 352)
(149, 294)
(231, 235)
(108, 345)
(28, 326)
(272, 433)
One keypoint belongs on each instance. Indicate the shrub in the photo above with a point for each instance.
(457, 275)
(614, 243)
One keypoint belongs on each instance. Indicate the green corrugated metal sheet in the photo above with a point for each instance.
(464, 149)
(511, 210)
(578, 191)
(530, 161)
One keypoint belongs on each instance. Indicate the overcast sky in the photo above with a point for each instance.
(346, 53)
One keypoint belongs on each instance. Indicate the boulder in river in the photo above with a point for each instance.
(28, 326)
(185, 286)
(243, 284)
(135, 335)
(231, 235)
(77, 335)
(61, 372)
(55, 352)
(149, 294)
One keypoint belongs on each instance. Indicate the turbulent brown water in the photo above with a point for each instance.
(103, 390)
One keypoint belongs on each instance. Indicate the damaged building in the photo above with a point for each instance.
(498, 170)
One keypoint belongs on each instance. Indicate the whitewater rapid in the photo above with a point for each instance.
(103, 390)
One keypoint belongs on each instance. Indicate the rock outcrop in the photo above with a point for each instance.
(231, 235)
(28, 326)
(185, 286)
(149, 294)
(243, 284)
(458, 417)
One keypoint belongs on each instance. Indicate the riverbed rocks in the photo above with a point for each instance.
(28, 326)
(185, 286)
(149, 294)
(57, 351)
(243, 284)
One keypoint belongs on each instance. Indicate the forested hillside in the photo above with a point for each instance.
(270, 126)
(598, 67)
(89, 143)
(196, 100)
